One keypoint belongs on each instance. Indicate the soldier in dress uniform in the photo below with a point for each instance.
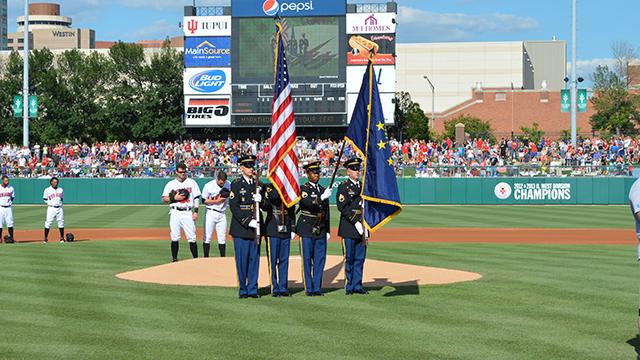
(351, 228)
(313, 227)
(280, 224)
(243, 227)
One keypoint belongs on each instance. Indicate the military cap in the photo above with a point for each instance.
(353, 163)
(248, 161)
(313, 166)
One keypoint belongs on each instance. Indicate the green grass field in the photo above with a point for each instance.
(62, 301)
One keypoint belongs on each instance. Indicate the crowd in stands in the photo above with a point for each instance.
(478, 157)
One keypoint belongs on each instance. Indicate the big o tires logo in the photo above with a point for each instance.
(503, 191)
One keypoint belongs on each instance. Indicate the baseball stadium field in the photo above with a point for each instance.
(558, 282)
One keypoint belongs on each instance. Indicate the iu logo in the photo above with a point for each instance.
(270, 7)
(192, 26)
(371, 20)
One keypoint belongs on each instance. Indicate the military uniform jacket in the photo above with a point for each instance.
(314, 213)
(349, 204)
(274, 208)
(243, 208)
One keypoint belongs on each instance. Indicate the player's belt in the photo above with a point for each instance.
(181, 209)
(310, 214)
(216, 210)
(246, 207)
(55, 206)
(6, 206)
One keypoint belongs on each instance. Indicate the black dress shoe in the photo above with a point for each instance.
(318, 293)
(254, 296)
(348, 293)
(285, 294)
(275, 295)
(309, 293)
(361, 292)
(174, 260)
(242, 296)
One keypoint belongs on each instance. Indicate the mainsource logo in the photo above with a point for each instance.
(208, 81)
(270, 7)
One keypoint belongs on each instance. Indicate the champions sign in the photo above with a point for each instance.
(553, 192)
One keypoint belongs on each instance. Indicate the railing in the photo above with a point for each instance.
(402, 171)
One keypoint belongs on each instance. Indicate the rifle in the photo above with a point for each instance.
(256, 236)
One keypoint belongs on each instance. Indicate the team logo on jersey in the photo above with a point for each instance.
(270, 7)
(502, 191)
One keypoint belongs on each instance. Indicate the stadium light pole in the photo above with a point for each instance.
(574, 82)
(25, 78)
(433, 103)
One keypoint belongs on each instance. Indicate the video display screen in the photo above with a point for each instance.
(315, 49)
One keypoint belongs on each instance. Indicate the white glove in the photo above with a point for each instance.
(326, 194)
(253, 224)
(359, 227)
(328, 236)
(293, 235)
(257, 197)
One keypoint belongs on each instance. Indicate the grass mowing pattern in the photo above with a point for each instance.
(96, 216)
(534, 302)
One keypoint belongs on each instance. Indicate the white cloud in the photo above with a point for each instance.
(157, 30)
(417, 25)
(585, 68)
(169, 4)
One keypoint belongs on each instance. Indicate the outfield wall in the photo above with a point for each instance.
(441, 191)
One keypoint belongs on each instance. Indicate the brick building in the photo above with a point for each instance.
(508, 110)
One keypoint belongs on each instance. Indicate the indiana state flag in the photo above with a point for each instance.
(367, 136)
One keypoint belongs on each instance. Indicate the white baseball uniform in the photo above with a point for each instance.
(634, 201)
(53, 198)
(180, 213)
(215, 216)
(7, 194)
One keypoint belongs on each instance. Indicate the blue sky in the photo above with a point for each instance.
(599, 23)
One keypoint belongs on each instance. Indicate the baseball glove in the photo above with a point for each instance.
(69, 237)
(184, 193)
(224, 193)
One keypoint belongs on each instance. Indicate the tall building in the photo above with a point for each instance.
(49, 29)
(3, 24)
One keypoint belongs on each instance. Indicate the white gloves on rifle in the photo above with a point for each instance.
(359, 228)
(253, 224)
(257, 197)
(326, 194)
(293, 235)
(328, 236)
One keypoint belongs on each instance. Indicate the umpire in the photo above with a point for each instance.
(280, 222)
(313, 227)
(243, 227)
(351, 229)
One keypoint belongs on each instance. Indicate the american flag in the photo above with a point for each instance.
(283, 162)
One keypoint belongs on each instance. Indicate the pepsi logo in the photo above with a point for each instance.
(270, 7)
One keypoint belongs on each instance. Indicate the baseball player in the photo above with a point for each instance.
(214, 195)
(183, 196)
(7, 194)
(634, 200)
(53, 196)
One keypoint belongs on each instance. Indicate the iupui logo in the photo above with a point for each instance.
(192, 26)
(206, 109)
(208, 81)
(271, 7)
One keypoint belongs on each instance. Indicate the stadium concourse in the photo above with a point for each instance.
(477, 157)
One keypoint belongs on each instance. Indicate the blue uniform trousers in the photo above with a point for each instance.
(354, 252)
(314, 256)
(247, 265)
(278, 254)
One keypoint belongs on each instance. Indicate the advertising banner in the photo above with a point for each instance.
(207, 26)
(388, 107)
(357, 55)
(207, 81)
(287, 8)
(386, 76)
(207, 51)
(368, 23)
(207, 111)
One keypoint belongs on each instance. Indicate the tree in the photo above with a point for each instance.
(475, 127)
(623, 52)
(616, 109)
(10, 85)
(410, 119)
(533, 133)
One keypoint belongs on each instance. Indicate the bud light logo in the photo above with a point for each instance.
(271, 7)
(208, 81)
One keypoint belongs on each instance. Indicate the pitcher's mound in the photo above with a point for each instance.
(222, 272)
